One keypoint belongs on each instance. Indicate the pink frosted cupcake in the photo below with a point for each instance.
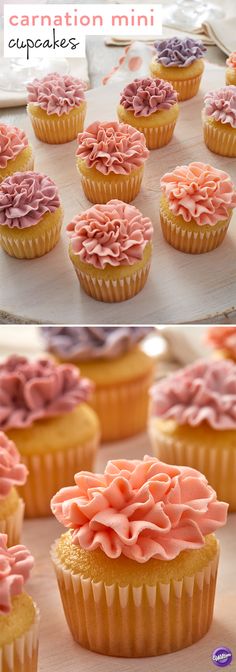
(230, 75)
(223, 340)
(219, 121)
(13, 473)
(16, 153)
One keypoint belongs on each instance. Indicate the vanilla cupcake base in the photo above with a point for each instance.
(99, 188)
(12, 524)
(219, 138)
(22, 162)
(55, 129)
(34, 241)
(186, 81)
(158, 127)
(189, 237)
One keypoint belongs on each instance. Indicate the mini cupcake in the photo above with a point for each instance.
(223, 340)
(110, 249)
(31, 215)
(19, 616)
(196, 207)
(193, 422)
(110, 160)
(12, 473)
(180, 62)
(150, 105)
(139, 557)
(56, 107)
(230, 75)
(219, 121)
(43, 410)
(114, 359)
(16, 153)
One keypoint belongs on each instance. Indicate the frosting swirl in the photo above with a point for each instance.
(12, 470)
(223, 338)
(31, 390)
(231, 61)
(111, 147)
(83, 343)
(25, 198)
(112, 234)
(199, 192)
(179, 52)
(12, 141)
(15, 567)
(147, 96)
(56, 94)
(221, 105)
(140, 508)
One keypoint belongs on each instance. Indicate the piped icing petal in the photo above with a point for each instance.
(179, 52)
(147, 96)
(221, 105)
(84, 343)
(223, 338)
(56, 94)
(141, 509)
(112, 147)
(112, 234)
(12, 141)
(231, 61)
(199, 192)
(16, 563)
(12, 471)
(25, 198)
(31, 390)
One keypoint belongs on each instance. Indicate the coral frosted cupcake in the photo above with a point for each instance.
(43, 410)
(193, 422)
(196, 207)
(16, 153)
(110, 249)
(110, 160)
(219, 121)
(56, 107)
(139, 557)
(180, 62)
(31, 215)
(114, 359)
(150, 105)
(13, 473)
(223, 340)
(19, 616)
(230, 75)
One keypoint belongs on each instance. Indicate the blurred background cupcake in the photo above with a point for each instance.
(180, 61)
(230, 75)
(223, 341)
(16, 153)
(13, 473)
(219, 121)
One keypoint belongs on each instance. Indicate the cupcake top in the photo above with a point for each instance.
(141, 509)
(31, 390)
(223, 338)
(12, 470)
(113, 234)
(111, 147)
(25, 198)
(199, 192)
(202, 392)
(12, 141)
(231, 60)
(56, 94)
(147, 96)
(83, 343)
(221, 105)
(16, 563)
(179, 52)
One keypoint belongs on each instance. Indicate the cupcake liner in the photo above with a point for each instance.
(110, 290)
(22, 654)
(230, 76)
(158, 136)
(58, 131)
(29, 248)
(103, 190)
(187, 88)
(138, 621)
(12, 525)
(193, 242)
(219, 140)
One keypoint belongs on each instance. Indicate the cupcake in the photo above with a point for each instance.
(193, 422)
(139, 557)
(180, 62)
(114, 359)
(110, 160)
(56, 107)
(230, 75)
(150, 105)
(12, 474)
(223, 340)
(219, 121)
(196, 207)
(43, 410)
(31, 215)
(15, 151)
(110, 249)
(19, 616)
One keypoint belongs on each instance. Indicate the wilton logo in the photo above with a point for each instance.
(222, 656)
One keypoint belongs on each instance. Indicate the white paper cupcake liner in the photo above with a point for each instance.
(12, 525)
(219, 140)
(103, 191)
(158, 136)
(58, 131)
(111, 291)
(22, 654)
(29, 248)
(192, 242)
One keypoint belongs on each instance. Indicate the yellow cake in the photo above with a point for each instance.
(11, 516)
(230, 73)
(13, 474)
(35, 241)
(99, 188)
(186, 81)
(16, 153)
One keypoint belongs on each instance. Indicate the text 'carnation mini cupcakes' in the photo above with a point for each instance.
(110, 160)
(139, 558)
(223, 340)
(196, 207)
(13, 473)
(180, 61)
(111, 249)
(56, 107)
(150, 105)
(31, 215)
(230, 75)
(219, 121)
(16, 153)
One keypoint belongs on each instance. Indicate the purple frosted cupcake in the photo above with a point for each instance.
(180, 62)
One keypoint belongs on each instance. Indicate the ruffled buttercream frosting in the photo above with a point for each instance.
(202, 392)
(12, 141)
(16, 563)
(221, 105)
(223, 338)
(56, 94)
(112, 234)
(141, 509)
(112, 147)
(85, 343)
(12, 471)
(25, 198)
(179, 52)
(200, 192)
(147, 96)
(231, 61)
(32, 390)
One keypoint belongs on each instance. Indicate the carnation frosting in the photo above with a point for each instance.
(56, 94)
(147, 96)
(223, 338)
(202, 392)
(112, 147)
(31, 390)
(12, 141)
(200, 192)
(25, 198)
(12, 470)
(179, 52)
(16, 563)
(141, 509)
(221, 105)
(112, 234)
(231, 61)
(83, 343)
